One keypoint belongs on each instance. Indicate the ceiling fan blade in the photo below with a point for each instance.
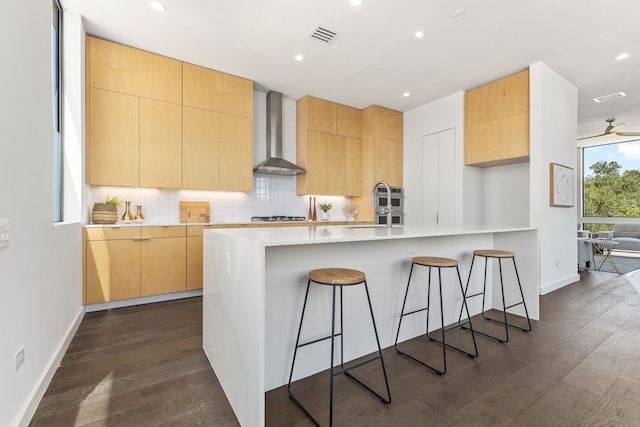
(615, 129)
(628, 133)
(594, 136)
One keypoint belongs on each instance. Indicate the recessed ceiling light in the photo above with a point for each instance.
(157, 6)
(419, 34)
(355, 3)
(622, 56)
(458, 12)
(609, 97)
(299, 58)
(406, 94)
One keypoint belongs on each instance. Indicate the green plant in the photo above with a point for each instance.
(113, 200)
(325, 206)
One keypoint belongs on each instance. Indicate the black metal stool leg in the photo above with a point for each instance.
(526, 312)
(333, 372)
(295, 350)
(384, 371)
(504, 322)
(441, 341)
(404, 302)
(466, 288)
(444, 344)
(333, 337)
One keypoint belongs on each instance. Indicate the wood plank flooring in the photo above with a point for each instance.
(580, 366)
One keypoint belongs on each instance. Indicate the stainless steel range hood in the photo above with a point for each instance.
(275, 164)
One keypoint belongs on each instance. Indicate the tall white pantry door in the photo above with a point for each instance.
(438, 178)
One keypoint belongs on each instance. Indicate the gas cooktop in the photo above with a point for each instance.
(277, 218)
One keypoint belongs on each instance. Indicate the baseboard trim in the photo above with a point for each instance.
(559, 284)
(31, 405)
(142, 300)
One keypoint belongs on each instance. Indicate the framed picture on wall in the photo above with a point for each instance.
(561, 185)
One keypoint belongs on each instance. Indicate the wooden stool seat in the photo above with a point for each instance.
(432, 261)
(337, 276)
(494, 253)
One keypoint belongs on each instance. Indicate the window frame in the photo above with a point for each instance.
(57, 111)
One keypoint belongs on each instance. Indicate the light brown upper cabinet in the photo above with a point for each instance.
(329, 147)
(136, 129)
(496, 122)
(217, 132)
(348, 121)
(216, 91)
(217, 151)
(134, 119)
(160, 144)
(382, 143)
(132, 71)
(113, 145)
(381, 153)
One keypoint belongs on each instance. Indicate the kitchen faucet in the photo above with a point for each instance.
(383, 210)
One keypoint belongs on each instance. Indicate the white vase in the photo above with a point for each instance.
(324, 216)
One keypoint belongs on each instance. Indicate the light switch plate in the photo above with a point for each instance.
(4, 232)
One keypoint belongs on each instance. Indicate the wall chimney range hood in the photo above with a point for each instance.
(275, 164)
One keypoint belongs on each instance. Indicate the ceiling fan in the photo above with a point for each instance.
(613, 130)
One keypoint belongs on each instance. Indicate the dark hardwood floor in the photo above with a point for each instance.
(580, 366)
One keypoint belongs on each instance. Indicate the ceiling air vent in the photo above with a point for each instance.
(323, 34)
(609, 97)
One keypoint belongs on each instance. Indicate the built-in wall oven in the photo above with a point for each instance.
(397, 205)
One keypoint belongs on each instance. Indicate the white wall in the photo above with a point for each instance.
(521, 190)
(446, 113)
(506, 195)
(554, 118)
(40, 281)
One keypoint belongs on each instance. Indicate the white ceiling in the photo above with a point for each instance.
(376, 57)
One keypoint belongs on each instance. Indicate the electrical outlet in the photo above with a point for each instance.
(227, 262)
(19, 358)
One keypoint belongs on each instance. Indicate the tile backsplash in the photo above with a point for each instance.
(271, 195)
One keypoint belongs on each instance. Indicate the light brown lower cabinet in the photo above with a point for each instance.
(130, 262)
(113, 270)
(194, 262)
(163, 260)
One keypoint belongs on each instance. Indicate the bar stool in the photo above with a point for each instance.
(439, 263)
(338, 278)
(499, 255)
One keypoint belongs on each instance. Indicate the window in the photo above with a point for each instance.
(611, 183)
(56, 43)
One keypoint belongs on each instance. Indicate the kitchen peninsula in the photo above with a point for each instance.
(254, 282)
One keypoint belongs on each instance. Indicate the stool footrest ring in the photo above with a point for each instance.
(317, 340)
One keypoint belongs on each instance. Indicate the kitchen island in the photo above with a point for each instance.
(254, 283)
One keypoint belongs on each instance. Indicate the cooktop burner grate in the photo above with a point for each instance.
(277, 218)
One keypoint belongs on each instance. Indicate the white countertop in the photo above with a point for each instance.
(344, 233)
(223, 224)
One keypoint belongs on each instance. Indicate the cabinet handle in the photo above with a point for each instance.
(142, 238)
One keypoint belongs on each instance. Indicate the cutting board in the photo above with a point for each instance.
(194, 212)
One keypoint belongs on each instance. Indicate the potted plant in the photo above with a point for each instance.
(325, 207)
(106, 212)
